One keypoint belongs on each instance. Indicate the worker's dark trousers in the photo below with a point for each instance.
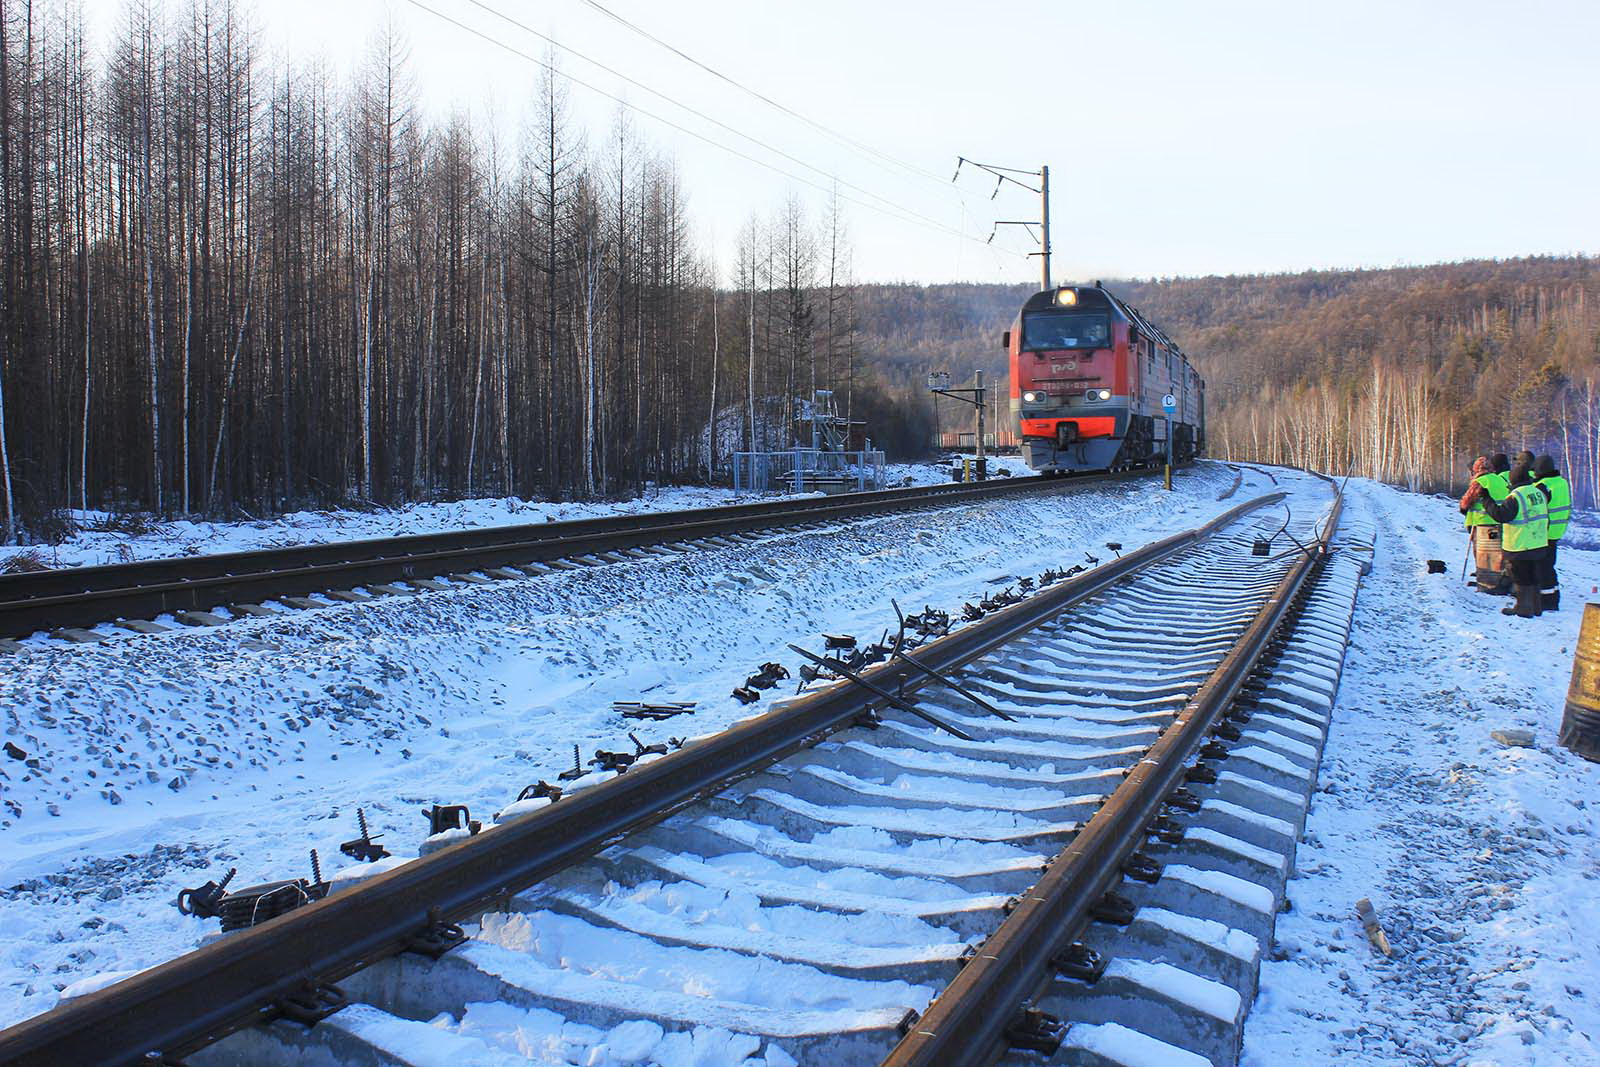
(1525, 569)
(1549, 585)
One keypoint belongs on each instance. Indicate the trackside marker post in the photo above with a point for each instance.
(1169, 404)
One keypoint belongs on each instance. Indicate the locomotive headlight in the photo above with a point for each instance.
(1103, 394)
(1032, 398)
(1066, 297)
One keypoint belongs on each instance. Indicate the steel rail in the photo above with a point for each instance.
(196, 999)
(84, 596)
(966, 1024)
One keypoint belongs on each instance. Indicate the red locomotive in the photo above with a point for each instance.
(1089, 380)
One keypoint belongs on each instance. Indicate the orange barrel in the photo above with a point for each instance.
(1580, 725)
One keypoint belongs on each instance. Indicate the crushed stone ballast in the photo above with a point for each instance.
(815, 877)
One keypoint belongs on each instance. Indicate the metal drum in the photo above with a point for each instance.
(1580, 725)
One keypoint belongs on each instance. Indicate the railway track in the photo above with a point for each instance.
(901, 869)
(209, 590)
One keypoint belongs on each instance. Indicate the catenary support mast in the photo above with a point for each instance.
(1042, 235)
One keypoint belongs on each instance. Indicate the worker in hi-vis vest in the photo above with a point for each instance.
(1558, 492)
(1488, 485)
(1524, 538)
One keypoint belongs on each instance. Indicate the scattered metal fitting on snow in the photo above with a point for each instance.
(442, 817)
(745, 695)
(364, 847)
(576, 771)
(632, 709)
(643, 749)
(613, 761)
(206, 900)
(836, 642)
(544, 790)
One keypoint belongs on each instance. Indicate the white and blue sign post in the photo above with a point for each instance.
(1169, 404)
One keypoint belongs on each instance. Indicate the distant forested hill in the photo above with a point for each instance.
(1405, 372)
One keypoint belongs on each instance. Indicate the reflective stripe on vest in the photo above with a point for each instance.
(1530, 529)
(1560, 494)
(1498, 489)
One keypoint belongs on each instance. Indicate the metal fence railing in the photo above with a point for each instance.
(807, 470)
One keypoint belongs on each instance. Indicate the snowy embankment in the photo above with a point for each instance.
(1479, 856)
(103, 538)
(164, 759)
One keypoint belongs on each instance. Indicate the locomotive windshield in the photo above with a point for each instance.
(1065, 329)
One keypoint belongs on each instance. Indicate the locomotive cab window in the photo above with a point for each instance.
(1065, 329)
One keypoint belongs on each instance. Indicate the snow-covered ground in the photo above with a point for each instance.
(102, 538)
(164, 759)
(1480, 858)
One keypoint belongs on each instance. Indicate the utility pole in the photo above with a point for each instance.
(1003, 175)
(1044, 226)
(983, 406)
(977, 396)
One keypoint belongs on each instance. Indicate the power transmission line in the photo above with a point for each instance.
(895, 209)
(836, 135)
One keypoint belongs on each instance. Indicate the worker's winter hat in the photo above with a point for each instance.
(1524, 458)
(1544, 466)
(1499, 462)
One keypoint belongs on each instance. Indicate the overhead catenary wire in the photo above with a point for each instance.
(894, 209)
(757, 94)
(867, 149)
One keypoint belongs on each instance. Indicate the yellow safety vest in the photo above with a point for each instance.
(1560, 504)
(1530, 529)
(1498, 489)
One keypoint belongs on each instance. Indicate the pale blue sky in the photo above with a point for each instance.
(1225, 136)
